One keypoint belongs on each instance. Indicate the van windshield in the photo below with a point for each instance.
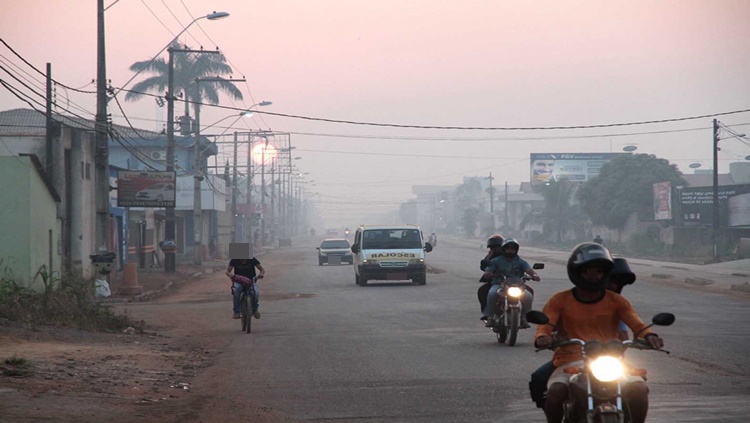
(391, 239)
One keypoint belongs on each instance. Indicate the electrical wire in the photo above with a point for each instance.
(180, 23)
(40, 72)
(160, 21)
(478, 128)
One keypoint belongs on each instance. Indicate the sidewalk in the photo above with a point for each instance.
(725, 276)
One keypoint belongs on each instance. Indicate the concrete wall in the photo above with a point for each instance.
(28, 221)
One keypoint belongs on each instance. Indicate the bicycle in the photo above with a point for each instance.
(247, 298)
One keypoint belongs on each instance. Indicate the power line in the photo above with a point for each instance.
(40, 72)
(179, 22)
(472, 128)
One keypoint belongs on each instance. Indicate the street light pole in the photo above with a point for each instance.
(169, 230)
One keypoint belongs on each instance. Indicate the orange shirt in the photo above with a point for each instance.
(587, 321)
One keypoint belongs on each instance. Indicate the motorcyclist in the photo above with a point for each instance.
(493, 243)
(589, 311)
(621, 275)
(508, 264)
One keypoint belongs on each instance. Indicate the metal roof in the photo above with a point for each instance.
(32, 123)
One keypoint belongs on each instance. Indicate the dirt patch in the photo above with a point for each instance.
(143, 374)
(72, 373)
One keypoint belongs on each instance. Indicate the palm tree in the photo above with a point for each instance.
(187, 67)
(558, 215)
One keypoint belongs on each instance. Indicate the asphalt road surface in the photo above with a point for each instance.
(326, 349)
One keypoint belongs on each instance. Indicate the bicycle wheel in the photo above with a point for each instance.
(249, 314)
(243, 311)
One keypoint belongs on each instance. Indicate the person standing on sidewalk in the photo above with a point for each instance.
(244, 267)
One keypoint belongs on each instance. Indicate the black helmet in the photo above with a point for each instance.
(586, 254)
(495, 241)
(621, 273)
(510, 242)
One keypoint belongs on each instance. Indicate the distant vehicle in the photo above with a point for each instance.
(156, 192)
(332, 232)
(389, 253)
(335, 251)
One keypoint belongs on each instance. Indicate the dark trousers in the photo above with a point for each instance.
(538, 383)
(482, 292)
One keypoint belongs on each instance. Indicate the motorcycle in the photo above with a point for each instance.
(508, 308)
(599, 382)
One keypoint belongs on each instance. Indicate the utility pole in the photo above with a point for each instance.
(199, 176)
(234, 193)
(715, 232)
(48, 162)
(102, 138)
(169, 232)
(169, 229)
(492, 197)
(505, 218)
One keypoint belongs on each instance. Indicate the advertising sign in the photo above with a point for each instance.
(662, 200)
(575, 167)
(145, 189)
(696, 205)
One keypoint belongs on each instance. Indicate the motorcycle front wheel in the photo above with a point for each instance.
(514, 321)
(501, 331)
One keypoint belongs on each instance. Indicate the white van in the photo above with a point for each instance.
(389, 253)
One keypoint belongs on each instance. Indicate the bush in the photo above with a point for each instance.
(64, 301)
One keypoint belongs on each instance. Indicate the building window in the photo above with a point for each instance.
(88, 170)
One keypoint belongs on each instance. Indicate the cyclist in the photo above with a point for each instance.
(244, 267)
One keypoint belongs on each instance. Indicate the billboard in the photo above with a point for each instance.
(663, 201)
(575, 167)
(145, 189)
(696, 205)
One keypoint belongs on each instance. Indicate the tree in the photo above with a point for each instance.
(625, 185)
(467, 199)
(559, 215)
(187, 67)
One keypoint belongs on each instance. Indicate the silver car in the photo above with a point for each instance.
(335, 251)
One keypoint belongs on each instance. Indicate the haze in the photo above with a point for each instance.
(424, 63)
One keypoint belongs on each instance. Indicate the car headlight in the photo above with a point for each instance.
(515, 292)
(416, 261)
(369, 261)
(607, 368)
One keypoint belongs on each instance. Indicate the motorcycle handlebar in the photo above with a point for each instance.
(638, 343)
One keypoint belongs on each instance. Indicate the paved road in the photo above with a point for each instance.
(328, 350)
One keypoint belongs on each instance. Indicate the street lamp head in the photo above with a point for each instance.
(217, 15)
(629, 148)
(694, 165)
(249, 111)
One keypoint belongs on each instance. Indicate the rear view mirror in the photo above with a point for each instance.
(538, 266)
(427, 247)
(663, 319)
(355, 248)
(537, 317)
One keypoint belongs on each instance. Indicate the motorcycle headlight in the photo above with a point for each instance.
(515, 292)
(607, 368)
(416, 261)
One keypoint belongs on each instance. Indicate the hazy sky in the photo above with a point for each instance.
(425, 63)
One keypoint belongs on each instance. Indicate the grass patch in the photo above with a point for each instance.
(16, 367)
(63, 301)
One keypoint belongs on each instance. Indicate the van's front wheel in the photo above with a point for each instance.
(419, 280)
